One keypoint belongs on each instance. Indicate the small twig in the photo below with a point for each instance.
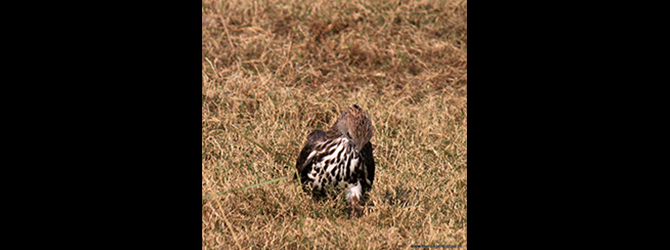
(225, 28)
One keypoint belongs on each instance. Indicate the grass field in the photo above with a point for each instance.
(273, 71)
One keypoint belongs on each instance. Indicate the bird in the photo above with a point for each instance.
(341, 154)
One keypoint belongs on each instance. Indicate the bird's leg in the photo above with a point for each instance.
(355, 209)
(354, 197)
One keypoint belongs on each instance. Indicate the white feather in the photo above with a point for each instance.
(355, 190)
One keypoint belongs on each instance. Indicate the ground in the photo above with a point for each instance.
(273, 71)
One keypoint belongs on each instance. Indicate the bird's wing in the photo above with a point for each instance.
(369, 162)
(315, 137)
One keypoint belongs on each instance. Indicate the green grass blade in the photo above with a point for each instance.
(244, 188)
(276, 156)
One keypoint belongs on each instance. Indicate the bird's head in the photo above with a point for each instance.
(355, 125)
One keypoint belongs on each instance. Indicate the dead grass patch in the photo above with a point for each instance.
(275, 70)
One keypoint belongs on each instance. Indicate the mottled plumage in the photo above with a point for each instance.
(342, 154)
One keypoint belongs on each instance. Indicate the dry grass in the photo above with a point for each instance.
(272, 71)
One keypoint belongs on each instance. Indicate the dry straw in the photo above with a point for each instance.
(274, 70)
